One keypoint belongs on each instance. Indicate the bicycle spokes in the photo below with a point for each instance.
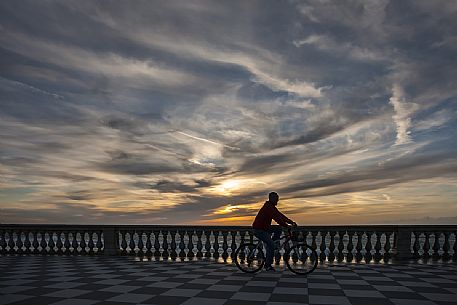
(302, 259)
(250, 258)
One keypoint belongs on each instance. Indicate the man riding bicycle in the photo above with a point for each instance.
(262, 223)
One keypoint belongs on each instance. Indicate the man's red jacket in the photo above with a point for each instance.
(268, 212)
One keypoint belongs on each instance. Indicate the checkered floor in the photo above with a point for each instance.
(36, 280)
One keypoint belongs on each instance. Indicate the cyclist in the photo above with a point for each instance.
(262, 223)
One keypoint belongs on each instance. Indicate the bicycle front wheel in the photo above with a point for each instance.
(301, 259)
(249, 258)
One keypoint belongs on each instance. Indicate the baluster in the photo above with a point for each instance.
(27, 243)
(377, 247)
(350, 247)
(323, 247)
(140, 243)
(199, 243)
(426, 246)
(233, 245)
(165, 252)
(148, 244)
(66, 242)
(251, 236)
(341, 245)
(56, 242)
(242, 237)
(123, 242)
(82, 243)
(331, 255)
(35, 243)
(127, 238)
(314, 236)
(276, 253)
(416, 245)
(182, 245)
(302, 235)
(190, 245)
(446, 247)
(44, 243)
(216, 244)
(19, 242)
(368, 247)
(9, 241)
(387, 247)
(91, 244)
(74, 242)
(58, 245)
(51, 243)
(156, 244)
(132, 245)
(12, 241)
(173, 253)
(224, 245)
(294, 254)
(208, 244)
(99, 244)
(358, 247)
(454, 248)
(3, 243)
(436, 246)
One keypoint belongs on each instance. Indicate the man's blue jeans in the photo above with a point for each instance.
(265, 236)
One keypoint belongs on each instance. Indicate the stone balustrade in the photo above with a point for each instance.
(380, 243)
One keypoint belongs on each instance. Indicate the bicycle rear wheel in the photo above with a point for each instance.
(301, 259)
(249, 258)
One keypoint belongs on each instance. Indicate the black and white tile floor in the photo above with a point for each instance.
(36, 280)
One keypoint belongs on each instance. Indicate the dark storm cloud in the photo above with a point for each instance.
(311, 136)
(178, 97)
(79, 195)
(379, 176)
(167, 186)
(265, 163)
(77, 213)
(138, 167)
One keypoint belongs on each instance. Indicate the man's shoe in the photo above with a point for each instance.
(269, 268)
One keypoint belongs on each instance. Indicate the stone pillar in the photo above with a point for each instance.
(402, 250)
(110, 241)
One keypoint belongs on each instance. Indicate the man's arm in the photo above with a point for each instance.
(280, 218)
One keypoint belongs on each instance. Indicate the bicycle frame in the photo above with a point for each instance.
(287, 238)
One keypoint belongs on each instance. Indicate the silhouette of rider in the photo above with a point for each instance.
(262, 223)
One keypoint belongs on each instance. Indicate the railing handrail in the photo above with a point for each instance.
(332, 241)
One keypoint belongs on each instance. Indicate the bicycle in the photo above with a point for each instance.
(300, 258)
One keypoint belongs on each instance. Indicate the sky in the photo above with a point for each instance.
(191, 112)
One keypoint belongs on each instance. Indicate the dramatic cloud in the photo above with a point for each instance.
(192, 111)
